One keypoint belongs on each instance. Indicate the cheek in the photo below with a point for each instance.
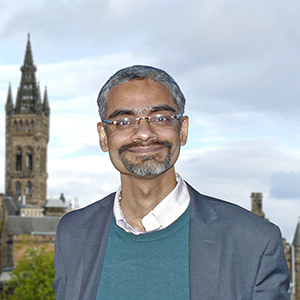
(175, 138)
(115, 142)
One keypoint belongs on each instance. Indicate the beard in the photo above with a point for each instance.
(146, 164)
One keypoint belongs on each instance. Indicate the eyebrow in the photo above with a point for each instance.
(120, 112)
(163, 108)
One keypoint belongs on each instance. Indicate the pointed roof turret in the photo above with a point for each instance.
(9, 102)
(38, 98)
(46, 108)
(9, 96)
(296, 241)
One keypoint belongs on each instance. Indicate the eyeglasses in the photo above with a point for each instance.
(158, 120)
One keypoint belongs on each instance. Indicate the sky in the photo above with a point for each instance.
(237, 63)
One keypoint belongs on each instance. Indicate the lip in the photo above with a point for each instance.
(145, 149)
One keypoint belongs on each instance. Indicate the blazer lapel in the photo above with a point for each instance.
(96, 239)
(204, 248)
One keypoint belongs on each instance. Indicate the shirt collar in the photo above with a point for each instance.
(163, 215)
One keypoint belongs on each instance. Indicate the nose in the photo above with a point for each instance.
(144, 131)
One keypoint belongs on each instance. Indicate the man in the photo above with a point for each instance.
(157, 237)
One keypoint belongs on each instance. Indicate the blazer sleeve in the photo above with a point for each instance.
(59, 282)
(272, 280)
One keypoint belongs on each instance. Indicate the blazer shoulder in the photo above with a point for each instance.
(229, 214)
(77, 218)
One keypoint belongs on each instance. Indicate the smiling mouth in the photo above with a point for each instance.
(145, 149)
(140, 147)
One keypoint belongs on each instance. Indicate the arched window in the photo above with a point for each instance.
(19, 160)
(15, 126)
(27, 126)
(18, 188)
(29, 160)
(29, 188)
(21, 126)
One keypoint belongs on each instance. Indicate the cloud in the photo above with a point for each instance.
(233, 170)
(81, 77)
(226, 56)
(285, 185)
(230, 171)
(247, 164)
(236, 62)
(87, 178)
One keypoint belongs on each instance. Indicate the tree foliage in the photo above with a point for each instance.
(33, 276)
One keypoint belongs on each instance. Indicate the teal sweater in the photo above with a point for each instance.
(148, 266)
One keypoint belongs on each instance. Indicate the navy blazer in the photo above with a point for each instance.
(233, 254)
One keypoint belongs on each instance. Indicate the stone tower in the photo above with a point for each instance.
(27, 136)
(256, 204)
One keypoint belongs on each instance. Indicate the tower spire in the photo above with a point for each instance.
(27, 94)
(27, 136)
(28, 59)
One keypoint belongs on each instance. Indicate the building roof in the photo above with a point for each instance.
(55, 203)
(17, 225)
(296, 241)
(12, 205)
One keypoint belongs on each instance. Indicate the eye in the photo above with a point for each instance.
(161, 119)
(124, 122)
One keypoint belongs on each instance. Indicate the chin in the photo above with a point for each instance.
(149, 167)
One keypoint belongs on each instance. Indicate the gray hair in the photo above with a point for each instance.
(139, 72)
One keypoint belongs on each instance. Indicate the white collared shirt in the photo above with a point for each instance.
(163, 215)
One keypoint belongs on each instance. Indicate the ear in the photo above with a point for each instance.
(184, 130)
(102, 137)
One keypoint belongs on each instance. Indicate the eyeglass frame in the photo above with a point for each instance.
(138, 120)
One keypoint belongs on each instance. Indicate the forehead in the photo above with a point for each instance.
(139, 95)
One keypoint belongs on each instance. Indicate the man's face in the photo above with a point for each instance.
(144, 150)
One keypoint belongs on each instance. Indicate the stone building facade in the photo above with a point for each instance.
(27, 217)
(19, 233)
(291, 251)
(27, 136)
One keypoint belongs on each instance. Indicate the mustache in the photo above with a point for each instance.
(144, 144)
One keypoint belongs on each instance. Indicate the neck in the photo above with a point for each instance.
(140, 195)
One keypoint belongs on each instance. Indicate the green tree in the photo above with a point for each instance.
(33, 276)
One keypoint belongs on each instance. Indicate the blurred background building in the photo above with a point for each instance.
(291, 251)
(27, 217)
